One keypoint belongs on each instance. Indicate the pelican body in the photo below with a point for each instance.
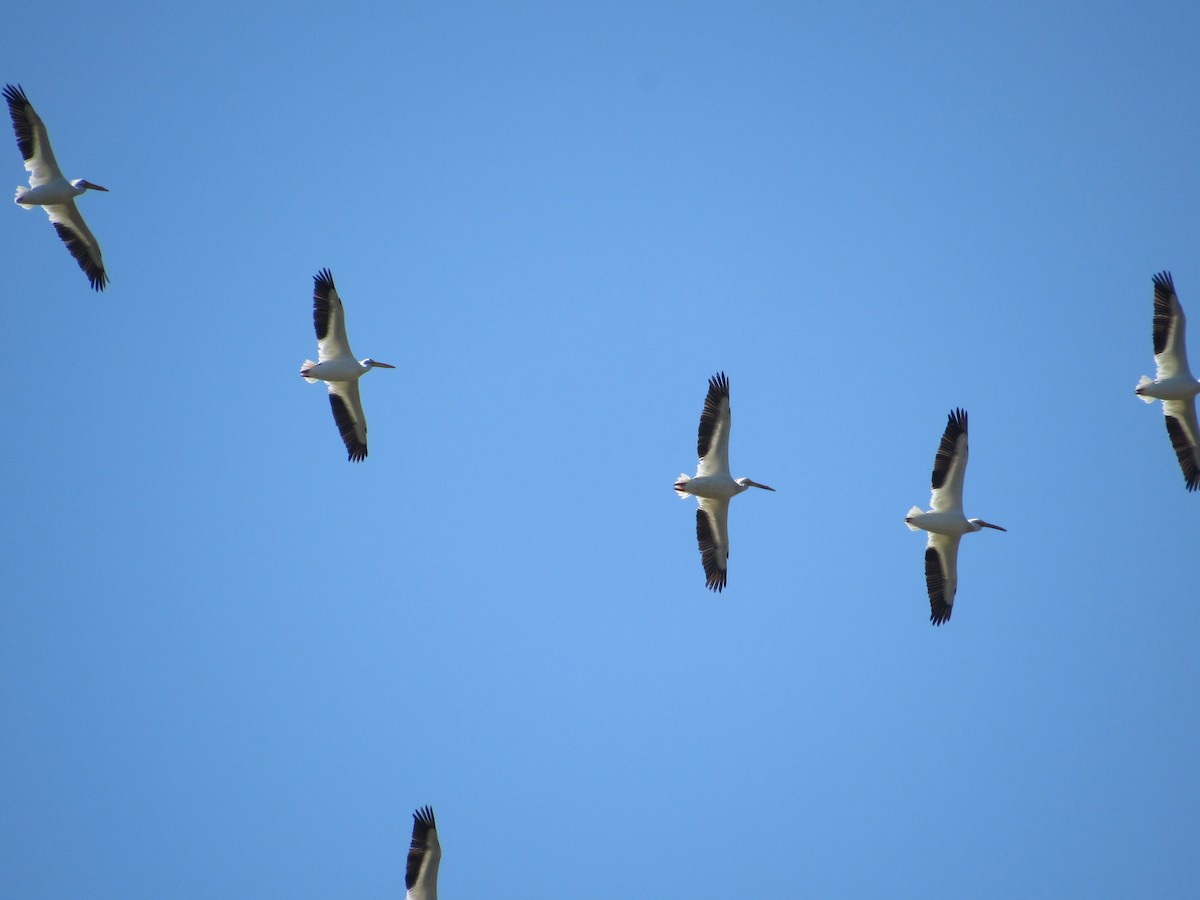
(424, 855)
(50, 190)
(712, 485)
(945, 521)
(337, 367)
(1173, 383)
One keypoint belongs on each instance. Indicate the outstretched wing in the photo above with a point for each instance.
(80, 241)
(950, 465)
(712, 443)
(1170, 352)
(1180, 416)
(329, 319)
(712, 533)
(424, 854)
(348, 414)
(32, 139)
(941, 575)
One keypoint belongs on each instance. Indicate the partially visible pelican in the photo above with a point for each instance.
(50, 190)
(1173, 383)
(420, 876)
(945, 522)
(337, 367)
(712, 485)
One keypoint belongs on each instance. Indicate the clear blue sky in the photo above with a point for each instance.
(232, 663)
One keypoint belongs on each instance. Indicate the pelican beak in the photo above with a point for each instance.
(94, 187)
(990, 525)
(757, 485)
(380, 365)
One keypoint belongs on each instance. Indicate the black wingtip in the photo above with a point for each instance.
(424, 815)
(322, 286)
(15, 94)
(939, 609)
(715, 574)
(19, 108)
(356, 450)
(1164, 309)
(956, 426)
(718, 390)
(1184, 452)
(96, 275)
(423, 824)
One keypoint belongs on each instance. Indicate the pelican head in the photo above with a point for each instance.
(369, 363)
(82, 184)
(979, 524)
(747, 483)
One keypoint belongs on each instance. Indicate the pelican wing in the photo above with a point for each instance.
(1180, 417)
(424, 855)
(712, 444)
(80, 241)
(712, 533)
(348, 414)
(329, 320)
(32, 139)
(941, 575)
(1170, 353)
(950, 465)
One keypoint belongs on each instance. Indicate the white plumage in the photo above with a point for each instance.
(945, 521)
(337, 367)
(50, 190)
(1173, 383)
(712, 485)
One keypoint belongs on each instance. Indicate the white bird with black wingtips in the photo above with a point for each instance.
(424, 855)
(712, 485)
(1173, 383)
(337, 367)
(945, 522)
(50, 190)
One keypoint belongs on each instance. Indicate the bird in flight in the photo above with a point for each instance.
(1173, 383)
(50, 190)
(945, 521)
(337, 367)
(712, 485)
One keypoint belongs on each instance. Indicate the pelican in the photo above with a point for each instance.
(49, 190)
(946, 523)
(337, 367)
(1173, 383)
(712, 487)
(424, 854)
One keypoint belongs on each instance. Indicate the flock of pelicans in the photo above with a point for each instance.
(712, 485)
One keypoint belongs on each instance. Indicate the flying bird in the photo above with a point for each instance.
(945, 522)
(424, 854)
(1173, 383)
(50, 190)
(712, 485)
(337, 367)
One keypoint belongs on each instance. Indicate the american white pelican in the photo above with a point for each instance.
(337, 367)
(712, 486)
(1173, 383)
(946, 523)
(424, 854)
(49, 190)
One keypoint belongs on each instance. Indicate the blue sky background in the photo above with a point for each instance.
(232, 663)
